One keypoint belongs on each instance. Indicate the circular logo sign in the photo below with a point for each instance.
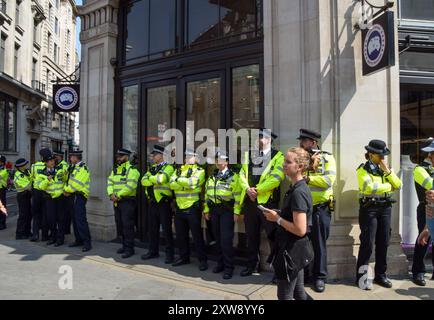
(374, 45)
(66, 98)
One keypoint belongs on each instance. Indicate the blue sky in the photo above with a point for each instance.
(78, 45)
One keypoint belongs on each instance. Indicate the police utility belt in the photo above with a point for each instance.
(225, 204)
(376, 201)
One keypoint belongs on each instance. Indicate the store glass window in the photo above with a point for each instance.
(417, 10)
(246, 97)
(417, 118)
(8, 124)
(130, 117)
(417, 61)
(161, 103)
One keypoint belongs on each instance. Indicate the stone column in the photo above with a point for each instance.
(98, 39)
(313, 78)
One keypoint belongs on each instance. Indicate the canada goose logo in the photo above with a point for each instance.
(66, 98)
(374, 45)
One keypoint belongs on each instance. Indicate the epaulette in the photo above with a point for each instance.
(361, 166)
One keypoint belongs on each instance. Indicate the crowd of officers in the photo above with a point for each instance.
(51, 195)
(52, 192)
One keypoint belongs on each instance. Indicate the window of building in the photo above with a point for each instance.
(56, 25)
(49, 42)
(160, 28)
(421, 10)
(8, 123)
(55, 53)
(47, 78)
(50, 12)
(17, 13)
(68, 37)
(16, 60)
(246, 97)
(56, 145)
(417, 116)
(2, 52)
(34, 65)
(68, 60)
(55, 120)
(130, 116)
(35, 32)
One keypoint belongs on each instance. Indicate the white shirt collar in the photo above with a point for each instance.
(223, 172)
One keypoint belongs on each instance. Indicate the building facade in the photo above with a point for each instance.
(150, 65)
(37, 46)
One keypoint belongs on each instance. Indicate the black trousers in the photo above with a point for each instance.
(254, 222)
(292, 290)
(160, 213)
(56, 219)
(375, 229)
(419, 250)
(125, 217)
(185, 221)
(79, 221)
(2, 216)
(39, 216)
(68, 204)
(321, 218)
(222, 219)
(24, 214)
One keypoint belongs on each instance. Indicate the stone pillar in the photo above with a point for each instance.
(313, 78)
(98, 39)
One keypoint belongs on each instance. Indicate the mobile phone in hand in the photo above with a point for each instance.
(262, 208)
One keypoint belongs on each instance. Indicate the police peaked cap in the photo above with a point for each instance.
(46, 154)
(428, 146)
(44, 151)
(267, 133)
(221, 155)
(21, 162)
(76, 153)
(158, 149)
(58, 153)
(309, 134)
(123, 152)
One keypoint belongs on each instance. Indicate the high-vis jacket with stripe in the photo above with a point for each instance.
(123, 181)
(36, 170)
(3, 177)
(223, 189)
(322, 179)
(78, 180)
(53, 187)
(187, 184)
(373, 183)
(270, 179)
(22, 181)
(423, 178)
(63, 166)
(157, 181)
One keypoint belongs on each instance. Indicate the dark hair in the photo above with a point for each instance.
(367, 155)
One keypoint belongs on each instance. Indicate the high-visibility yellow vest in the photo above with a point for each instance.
(123, 181)
(3, 177)
(54, 187)
(187, 184)
(270, 179)
(22, 181)
(158, 177)
(423, 179)
(78, 180)
(63, 167)
(36, 170)
(223, 189)
(322, 179)
(376, 184)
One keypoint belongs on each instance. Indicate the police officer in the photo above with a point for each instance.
(187, 183)
(51, 182)
(376, 185)
(3, 185)
(260, 178)
(320, 178)
(156, 181)
(423, 178)
(63, 166)
(77, 188)
(23, 185)
(222, 206)
(39, 218)
(122, 190)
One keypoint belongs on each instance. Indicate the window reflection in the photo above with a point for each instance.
(417, 116)
(245, 97)
(161, 114)
(130, 116)
(417, 10)
(137, 32)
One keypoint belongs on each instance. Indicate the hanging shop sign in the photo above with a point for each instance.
(66, 97)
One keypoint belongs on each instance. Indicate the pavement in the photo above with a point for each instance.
(36, 271)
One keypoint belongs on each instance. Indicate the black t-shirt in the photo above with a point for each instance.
(297, 198)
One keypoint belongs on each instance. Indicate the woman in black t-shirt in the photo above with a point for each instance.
(294, 222)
